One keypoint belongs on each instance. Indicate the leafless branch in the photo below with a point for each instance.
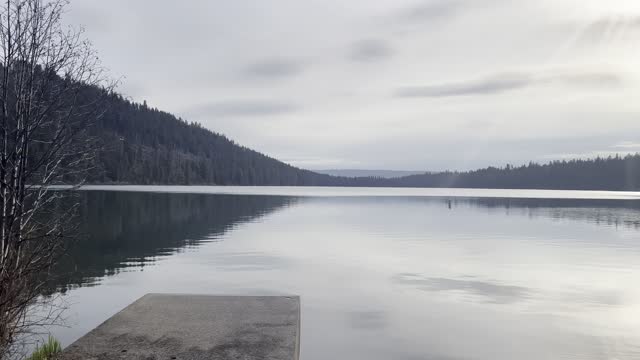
(52, 87)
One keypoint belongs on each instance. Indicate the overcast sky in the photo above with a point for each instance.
(393, 84)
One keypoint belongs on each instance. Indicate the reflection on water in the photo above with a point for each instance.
(493, 292)
(601, 212)
(379, 277)
(131, 230)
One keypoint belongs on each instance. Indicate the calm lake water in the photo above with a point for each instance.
(435, 274)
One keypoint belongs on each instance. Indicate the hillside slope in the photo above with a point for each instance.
(143, 145)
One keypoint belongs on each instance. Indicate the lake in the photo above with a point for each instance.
(437, 274)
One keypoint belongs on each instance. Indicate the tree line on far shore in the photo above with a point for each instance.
(611, 173)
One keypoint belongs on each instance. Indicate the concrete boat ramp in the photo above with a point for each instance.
(194, 327)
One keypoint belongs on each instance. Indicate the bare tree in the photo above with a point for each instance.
(51, 84)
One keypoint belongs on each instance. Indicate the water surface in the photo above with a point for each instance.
(396, 276)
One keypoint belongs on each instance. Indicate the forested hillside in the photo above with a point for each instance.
(142, 145)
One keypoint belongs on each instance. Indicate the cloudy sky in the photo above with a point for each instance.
(385, 84)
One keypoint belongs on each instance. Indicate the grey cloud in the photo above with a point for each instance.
(595, 298)
(611, 28)
(274, 68)
(438, 10)
(497, 84)
(506, 82)
(370, 50)
(431, 10)
(590, 79)
(493, 292)
(242, 109)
